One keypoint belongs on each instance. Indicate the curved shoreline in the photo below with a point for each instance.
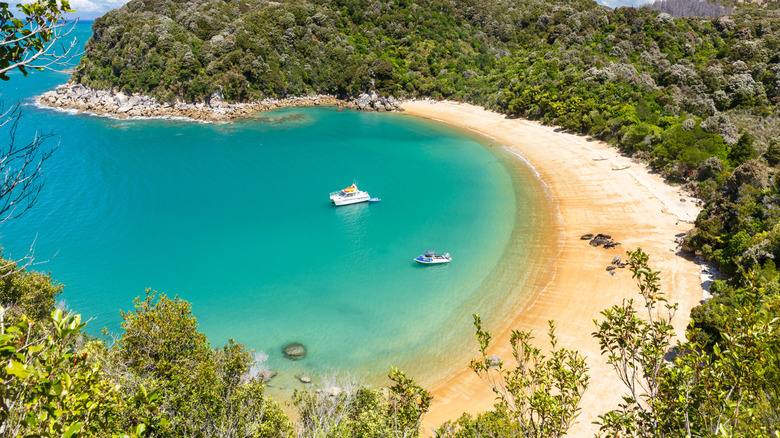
(633, 205)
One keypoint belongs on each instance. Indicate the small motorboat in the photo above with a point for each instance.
(430, 258)
(350, 195)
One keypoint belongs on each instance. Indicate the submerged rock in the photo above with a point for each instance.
(294, 351)
(266, 375)
(304, 378)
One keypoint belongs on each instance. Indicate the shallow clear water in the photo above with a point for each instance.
(236, 219)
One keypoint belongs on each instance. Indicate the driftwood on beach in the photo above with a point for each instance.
(83, 99)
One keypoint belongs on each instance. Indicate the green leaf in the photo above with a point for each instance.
(17, 369)
(75, 427)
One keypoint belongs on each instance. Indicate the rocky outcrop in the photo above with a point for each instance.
(294, 351)
(82, 99)
(604, 240)
(372, 102)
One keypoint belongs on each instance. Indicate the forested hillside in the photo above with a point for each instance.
(631, 75)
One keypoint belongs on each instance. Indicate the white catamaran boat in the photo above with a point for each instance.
(350, 195)
(430, 257)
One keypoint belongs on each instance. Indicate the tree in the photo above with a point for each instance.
(161, 336)
(682, 389)
(26, 293)
(204, 392)
(30, 42)
(49, 387)
(539, 396)
(635, 348)
(342, 408)
(743, 150)
(21, 168)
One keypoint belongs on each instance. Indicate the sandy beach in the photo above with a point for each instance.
(633, 205)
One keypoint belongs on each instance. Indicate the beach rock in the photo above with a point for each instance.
(609, 245)
(599, 241)
(611, 268)
(266, 375)
(120, 105)
(604, 236)
(294, 351)
(333, 391)
(363, 102)
(495, 361)
(616, 260)
(586, 236)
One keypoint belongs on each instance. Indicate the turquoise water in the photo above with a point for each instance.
(236, 219)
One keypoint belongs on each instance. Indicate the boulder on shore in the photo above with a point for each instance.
(294, 351)
(604, 240)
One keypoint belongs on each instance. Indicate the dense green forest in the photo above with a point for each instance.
(695, 96)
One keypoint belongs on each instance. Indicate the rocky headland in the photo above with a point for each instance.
(78, 97)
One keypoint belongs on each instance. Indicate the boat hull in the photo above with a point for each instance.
(431, 261)
(352, 200)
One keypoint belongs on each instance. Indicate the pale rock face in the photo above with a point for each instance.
(103, 102)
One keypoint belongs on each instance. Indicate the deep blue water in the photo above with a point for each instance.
(235, 218)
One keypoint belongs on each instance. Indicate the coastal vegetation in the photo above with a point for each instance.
(695, 96)
(160, 377)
